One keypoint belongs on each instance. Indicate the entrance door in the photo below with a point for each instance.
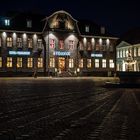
(61, 63)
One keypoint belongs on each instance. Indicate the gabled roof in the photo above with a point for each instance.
(122, 44)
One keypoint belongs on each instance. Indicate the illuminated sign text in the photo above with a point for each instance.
(19, 53)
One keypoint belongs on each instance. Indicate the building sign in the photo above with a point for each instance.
(19, 53)
(60, 53)
(96, 55)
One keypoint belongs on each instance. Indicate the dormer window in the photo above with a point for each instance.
(87, 29)
(7, 22)
(102, 30)
(29, 23)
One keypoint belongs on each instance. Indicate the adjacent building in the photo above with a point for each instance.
(128, 52)
(56, 45)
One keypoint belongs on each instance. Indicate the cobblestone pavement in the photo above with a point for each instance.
(72, 109)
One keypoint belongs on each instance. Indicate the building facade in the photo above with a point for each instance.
(57, 45)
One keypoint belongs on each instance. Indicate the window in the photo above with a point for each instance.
(39, 43)
(52, 43)
(124, 53)
(40, 63)
(104, 45)
(30, 43)
(19, 42)
(7, 22)
(61, 44)
(102, 30)
(30, 62)
(52, 62)
(9, 62)
(111, 63)
(139, 51)
(19, 62)
(96, 63)
(97, 45)
(81, 63)
(29, 23)
(88, 63)
(118, 54)
(93, 43)
(71, 63)
(135, 52)
(103, 63)
(87, 28)
(71, 44)
(0, 62)
(88, 45)
(81, 47)
(9, 41)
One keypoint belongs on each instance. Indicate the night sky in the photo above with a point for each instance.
(117, 16)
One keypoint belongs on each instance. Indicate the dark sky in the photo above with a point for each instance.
(116, 15)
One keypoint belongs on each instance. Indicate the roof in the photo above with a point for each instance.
(94, 29)
(17, 18)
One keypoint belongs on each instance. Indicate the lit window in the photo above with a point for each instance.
(9, 62)
(118, 54)
(19, 62)
(9, 41)
(71, 44)
(29, 23)
(71, 63)
(135, 52)
(7, 22)
(97, 45)
(88, 63)
(96, 63)
(118, 67)
(61, 44)
(30, 62)
(111, 63)
(19, 42)
(52, 43)
(39, 43)
(0, 62)
(30, 43)
(103, 63)
(139, 51)
(40, 63)
(86, 28)
(123, 52)
(81, 63)
(52, 62)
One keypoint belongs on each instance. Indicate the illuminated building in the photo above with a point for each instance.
(56, 45)
(128, 57)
